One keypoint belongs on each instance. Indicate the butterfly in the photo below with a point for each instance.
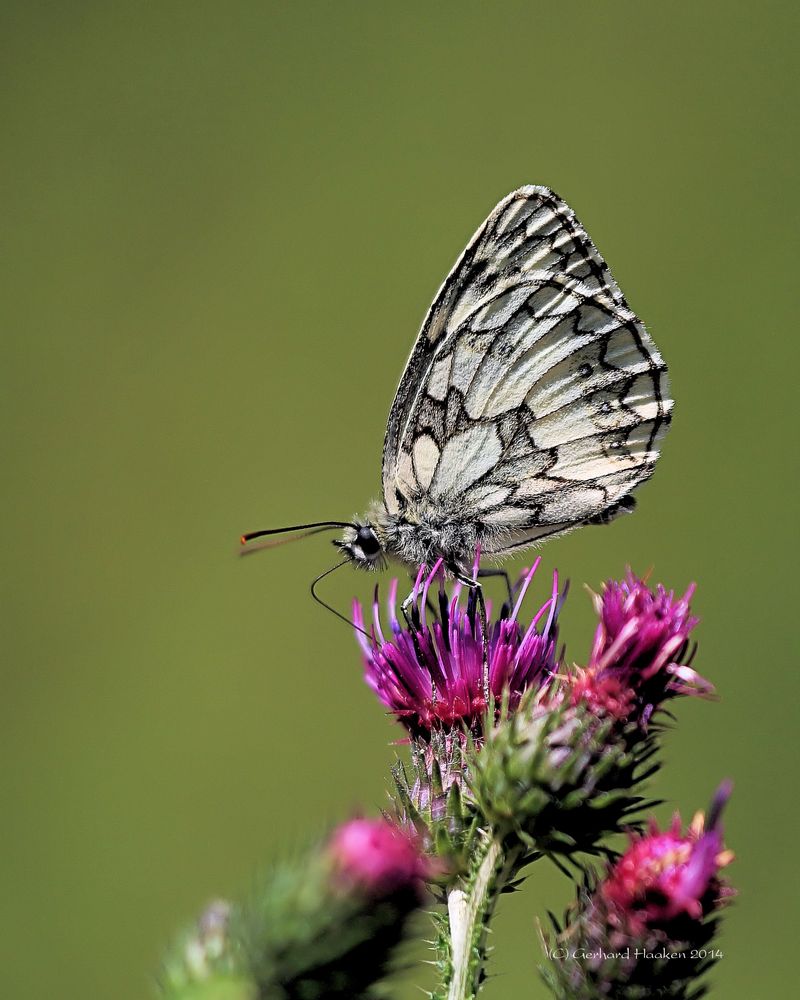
(533, 402)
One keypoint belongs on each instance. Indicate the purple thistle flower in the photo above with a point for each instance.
(646, 927)
(667, 875)
(430, 672)
(640, 644)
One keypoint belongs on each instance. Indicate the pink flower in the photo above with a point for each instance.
(639, 658)
(376, 857)
(646, 928)
(664, 875)
(430, 670)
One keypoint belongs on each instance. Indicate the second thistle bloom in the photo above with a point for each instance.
(639, 658)
(430, 670)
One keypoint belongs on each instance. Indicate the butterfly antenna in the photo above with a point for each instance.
(304, 531)
(333, 611)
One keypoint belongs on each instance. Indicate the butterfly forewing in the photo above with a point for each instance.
(534, 399)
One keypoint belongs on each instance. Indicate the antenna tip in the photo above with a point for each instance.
(243, 539)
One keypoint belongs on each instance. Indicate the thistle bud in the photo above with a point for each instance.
(326, 925)
(566, 768)
(377, 858)
(645, 928)
(205, 956)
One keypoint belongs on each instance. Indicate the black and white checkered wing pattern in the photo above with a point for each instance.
(534, 399)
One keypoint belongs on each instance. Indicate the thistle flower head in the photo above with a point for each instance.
(645, 928)
(638, 660)
(667, 874)
(376, 857)
(430, 670)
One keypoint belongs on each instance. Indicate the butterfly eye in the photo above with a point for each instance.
(367, 541)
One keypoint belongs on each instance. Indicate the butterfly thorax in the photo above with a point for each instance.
(423, 532)
(418, 534)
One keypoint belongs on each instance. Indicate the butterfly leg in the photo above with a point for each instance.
(496, 571)
(411, 611)
(477, 602)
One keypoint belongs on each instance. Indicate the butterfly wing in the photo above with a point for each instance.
(534, 399)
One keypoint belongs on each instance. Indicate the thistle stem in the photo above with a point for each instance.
(469, 908)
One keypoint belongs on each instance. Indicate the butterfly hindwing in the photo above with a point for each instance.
(534, 399)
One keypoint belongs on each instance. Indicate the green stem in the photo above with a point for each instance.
(470, 905)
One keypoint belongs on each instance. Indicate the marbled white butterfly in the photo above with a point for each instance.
(534, 401)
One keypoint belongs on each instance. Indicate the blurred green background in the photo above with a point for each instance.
(222, 226)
